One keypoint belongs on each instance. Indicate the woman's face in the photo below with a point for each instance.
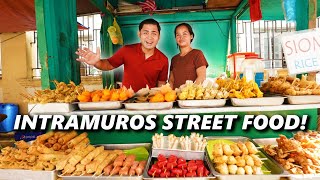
(183, 37)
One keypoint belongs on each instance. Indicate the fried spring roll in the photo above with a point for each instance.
(56, 147)
(82, 144)
(52, 140)
(73, 142)
(40, 139)
(64, 139)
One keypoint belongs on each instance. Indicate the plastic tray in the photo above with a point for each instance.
(307, 99)
(209, 103)
(116, 177)
(148, 106)
(265, 101)
(276, 171)
(51, 108)
(90, 106)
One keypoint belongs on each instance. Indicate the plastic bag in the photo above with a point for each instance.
(115, 33)
(289, 9)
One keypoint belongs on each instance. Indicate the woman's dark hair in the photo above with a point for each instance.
(187, 26)
(150, 21)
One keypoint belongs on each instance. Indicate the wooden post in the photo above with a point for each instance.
(57, 41)
(312, 24)
(312, 14)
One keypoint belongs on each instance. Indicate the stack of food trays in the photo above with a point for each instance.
(297, 91)
(298, 156)
(238, 157)
(169, 161)
(122, 164)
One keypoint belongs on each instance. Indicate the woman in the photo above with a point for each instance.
(189, 64)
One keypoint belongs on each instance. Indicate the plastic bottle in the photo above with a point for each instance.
(256, 66)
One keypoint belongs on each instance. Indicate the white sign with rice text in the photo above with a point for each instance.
(302, 51)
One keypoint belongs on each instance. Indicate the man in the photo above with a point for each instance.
(143, 63)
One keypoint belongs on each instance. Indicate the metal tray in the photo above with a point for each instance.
(148, 106)
(208, 103)
(112, 147)
(18, 174)
(307, 99)
(265, 141)
(51, 108)
(276, 170)
(152, 158)
(89, 106)
(265, 101)
(188, 154)
(272, 141)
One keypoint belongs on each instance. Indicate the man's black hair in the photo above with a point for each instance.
(150, 21)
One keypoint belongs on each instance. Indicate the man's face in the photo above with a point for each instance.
(149, 36)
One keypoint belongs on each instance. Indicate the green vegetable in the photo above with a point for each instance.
(140, 152)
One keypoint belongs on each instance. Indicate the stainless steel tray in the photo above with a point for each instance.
(89, 106)
(265, 101)
(188, 155)
(208, 103)
(276, 170)
(272, 141)
(148, 106)
(18, 174)
(307, 99)
(151, 162)
(111, 147)
(265, 141)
